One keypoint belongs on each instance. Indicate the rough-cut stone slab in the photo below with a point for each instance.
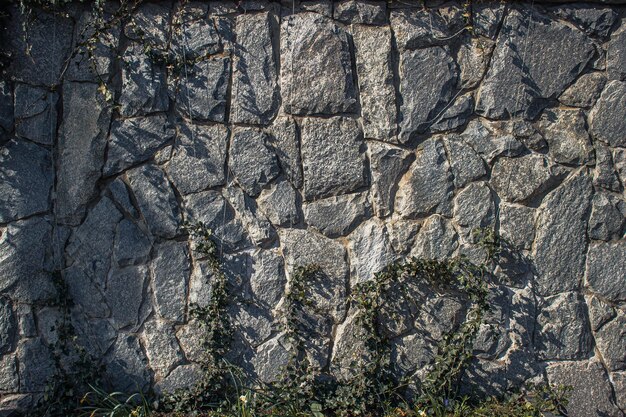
(161, 347)
(310, 41)
(8, 326)
(600, 312)
(143, 83)
(419, 28)
(258, 226)
(195, 39)
(82, 141)
(585, 91)
(332, 157)
(301, 248)
(427, 187)
(150, 23)
(521, 179)
(156, 200)
(201, 93)
(605, 270)
(465, 164)
(473, 58)
(285, 141)
(610, 342)
(252, 322)
(608, 217)
(370, 250)
(254, 90)
(280, 204)
(591, 393)
(535, 58)
(486, 17)
(605, 175)
(135, 140)
(361, 11)
(607, 120)
(455, 115)
(9, 381)
(376, 89)
(563, 328)
(270, 358)
(474, 207)
(489, 142)
(124, 294)
(199, 158)
(568, 140)
(36, 365)
(337, 216)
(517, 225)
(437, 239)
(126, 365)
(25, 180)
(387, 164)
(35, 114)
(170, 270)
(591, 19)
(267, 279)
(252, 162)
(428, 78)
(184, 377)
(560, 246)
(616, 55)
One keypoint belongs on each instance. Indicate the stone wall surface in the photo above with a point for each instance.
(348, 134)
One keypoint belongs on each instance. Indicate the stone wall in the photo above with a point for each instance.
(350, 135)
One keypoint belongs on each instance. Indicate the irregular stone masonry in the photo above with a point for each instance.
(348, 134)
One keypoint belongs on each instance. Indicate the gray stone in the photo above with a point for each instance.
(6, 108)
(95, 335)
(271, 358)
(608, 216)
(202, 93)
(132, 244)
(419, 28)
(360, 11)
(252, 322)
(411, 352)
(35, 113)
(184, 377)
(150, 24)
(487, 16)
(255, 97)
(8, 325)
(518, 83)
(280, 204)
(428, 78)
(610, 342)
(474, 207)
(455, 115)
(465, 164)
(350, 352)
(267, 279)
(473, 58)
(591, 393)
(35, 364)
(619, 160)
(387, 164)
(81, 149)
(328, 291)
(40, 57)
(200, 285)
(619, 385)
(155, 199)
(437, 239)
(210, 208)
(560, 243)
(402, 234)
(308, 38)
(136, 140)
(9, 381)
(337, 216)
(591, 19)
(192, 10)
(25, 249)
(199, 158)
(370, 251)
(126, 365)
(567, 138)
(195, 39)
(26, 320)
(606, 120)
(563, 328)
(252, 162)
(605, 270)
(376, 86)
(258, 226)
(427, 187)
(616, 55)
(143, 83)
(26, 176)
(287, 147)
(49, 319)
(161, 347)
(332, 157)
(585, 91)
(600, 312)
(191, 341)
(491, 144)
(517, 225)
(323, 7)
(522, 179)
(119, 195)
(604, 175)
(170, 272)
(124, 294)
(87, 293)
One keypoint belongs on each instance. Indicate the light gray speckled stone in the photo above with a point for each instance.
(254, 92)
(616, 55)
(474, 207)
(161, 347)
(419, 28)
(258, 226)
(465, 164)
(376, 86)
(280, 204)
(184, 377)
(591, 19)
(124, 294)
(149, 23)
(156, 200)
(486, 17)
(143, 83)
(521, 179)
(387, 164)
(337, 216)
(252, 161)
(607, 119)
(267, 279)
(437, 239)
(427, 187)
(517, 225)
(610, 342)
(608, 216)
(370, 250)
(585, 91)
(196, 38)
(270, 359)
(252, 322)
(605, 272)
(191, 341)
(473, 58)
(199, 158)
(605, 175)
(170, 271)
(567, 137)
(136, 140)
(285, 141)
(360, 11)
(26, 178)
(491, 144)
(332, 157)
(310, 41)
(132, 244)
(35, 113)
(455, 114)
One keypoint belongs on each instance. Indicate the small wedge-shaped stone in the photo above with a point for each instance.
(387, 165)
(310, 41)
(370, 250)
(257, 225)
(284, 139)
